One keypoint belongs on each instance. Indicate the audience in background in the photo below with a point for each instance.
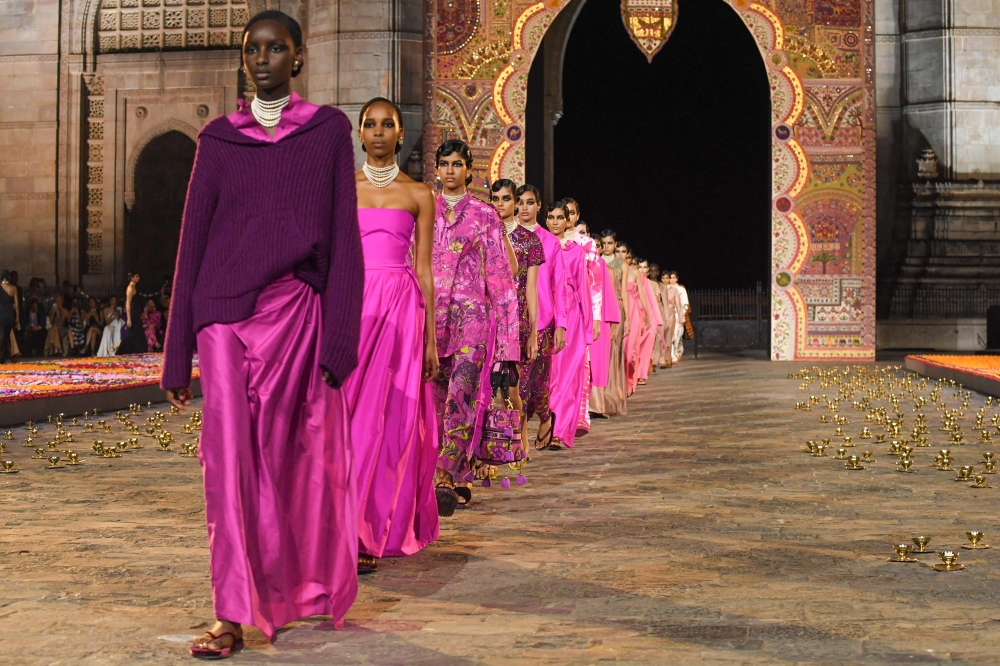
(64, 321)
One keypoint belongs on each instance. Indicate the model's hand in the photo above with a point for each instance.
(597, 330)
(431, 362)
(531, 348)
(559, 340)
(179, 398)
(128, 322)
(330, 380)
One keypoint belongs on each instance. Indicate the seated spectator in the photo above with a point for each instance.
(94, 323)
(77, 328)
(57, 341)
(152, 323)
(34, 325)
(112, 335)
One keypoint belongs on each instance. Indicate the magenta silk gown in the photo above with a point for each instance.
(600, 351)
(393, 425)
(282, 505)
(648, 339)
(568, 366)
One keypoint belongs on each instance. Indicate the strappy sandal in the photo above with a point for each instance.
(543, 444)
(464, 495)
(204, 652)
(555, 445)
(367, 563)
(447, 499)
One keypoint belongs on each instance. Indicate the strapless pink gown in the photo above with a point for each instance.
(393, 425)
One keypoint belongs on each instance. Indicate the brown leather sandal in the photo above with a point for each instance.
(202, 651)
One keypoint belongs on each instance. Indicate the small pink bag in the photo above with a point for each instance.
(501, 441)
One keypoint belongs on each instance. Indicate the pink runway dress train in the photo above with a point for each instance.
(393, 425)
(648, 339)
(276, 457)
(637, 323)
(569, 365)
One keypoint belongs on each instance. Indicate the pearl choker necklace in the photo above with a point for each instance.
(530, 227)
(268, 113)
(453, 199)
(380, 176)
(511, 225)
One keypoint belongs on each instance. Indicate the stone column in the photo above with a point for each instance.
(359, 49)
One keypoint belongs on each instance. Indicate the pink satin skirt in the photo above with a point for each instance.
(280, 494)
(394, 427)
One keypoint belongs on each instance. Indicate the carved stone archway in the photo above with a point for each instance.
(819, 57)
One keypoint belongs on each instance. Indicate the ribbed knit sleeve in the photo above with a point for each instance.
(199, 207)
(346, 279)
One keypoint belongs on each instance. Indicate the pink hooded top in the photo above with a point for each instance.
(473, 283)
(551, 277)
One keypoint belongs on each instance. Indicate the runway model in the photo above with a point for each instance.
(639, 319)
(269, 281)
(528, 257)
(474, 292)
(393, 427)
(568, 367)
(535, 381)
(614, 392)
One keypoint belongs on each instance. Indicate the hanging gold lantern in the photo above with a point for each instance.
(649, 23)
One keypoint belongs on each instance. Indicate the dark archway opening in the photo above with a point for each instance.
(153, 226)
(674, 155)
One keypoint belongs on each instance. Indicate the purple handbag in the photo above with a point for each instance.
(501, 441)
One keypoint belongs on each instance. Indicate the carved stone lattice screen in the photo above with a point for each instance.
(819, 56)
(144, 25)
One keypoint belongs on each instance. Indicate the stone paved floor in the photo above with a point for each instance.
(692, 530)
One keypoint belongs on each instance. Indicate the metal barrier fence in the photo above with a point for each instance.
(938, 302)
(715, 304)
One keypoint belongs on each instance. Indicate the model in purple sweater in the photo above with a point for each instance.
(270, 227)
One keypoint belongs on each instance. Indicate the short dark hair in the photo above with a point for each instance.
(290, 24)
(571, 200)
(561, 203)
(608, 233)
(504, 183)
(4, 274)
(455, 146)
(372, 102)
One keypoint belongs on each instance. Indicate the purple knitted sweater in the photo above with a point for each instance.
(257, 211)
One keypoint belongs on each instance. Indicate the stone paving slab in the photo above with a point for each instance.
(694, 530)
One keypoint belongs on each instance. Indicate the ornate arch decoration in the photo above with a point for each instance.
(819, 60)
(171, 125)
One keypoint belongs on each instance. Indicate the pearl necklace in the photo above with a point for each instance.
(530, 227)
(453, 199)
(268, 113)
(380, 176)
(511, 226)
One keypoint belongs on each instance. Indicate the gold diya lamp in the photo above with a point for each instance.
(964, 473)
(164, 444)
(921, 544)
(134, 443)
(895, 447)
(9, 435)
(949, 561)
(74, 458)
(841, 453)
(905, 463)
(189, 450)
(866, 433)
(866, 456)
(980, 481)
(902, 553)
(53, 462)
(974, 538)
(822, 419)
(987, 456)
(29, 442)
(820, 451)
(854, 462)
(98, 447)
(879, 438)
(849, 441)
(8, 467)
(110, 452)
